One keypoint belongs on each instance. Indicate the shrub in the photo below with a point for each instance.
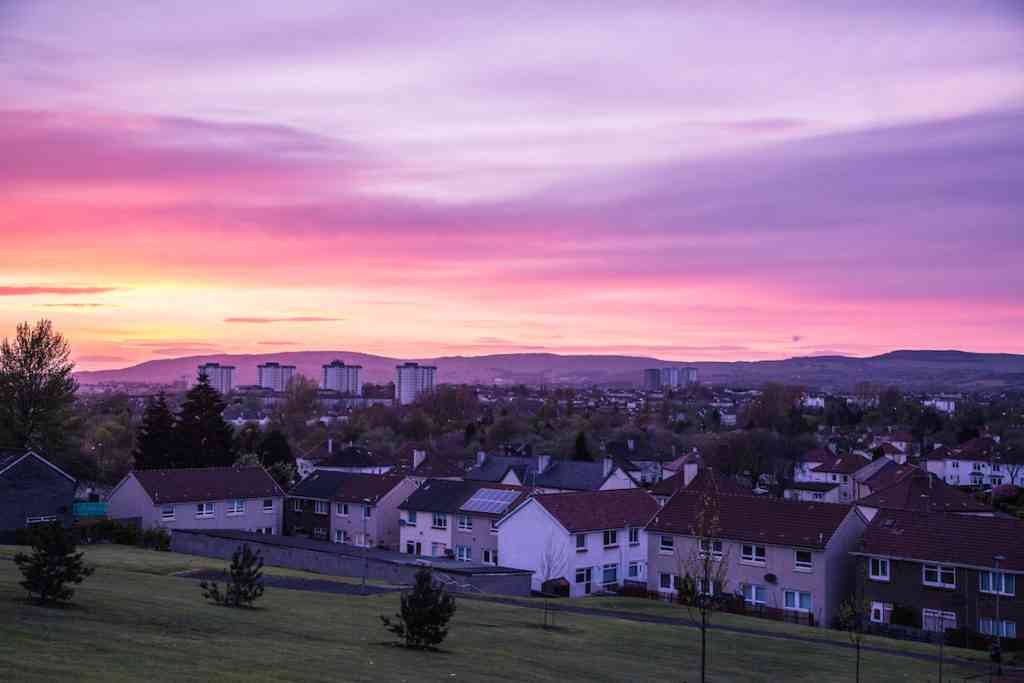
(245, 580)
(425, 611)
(52, 565)
(157, 539)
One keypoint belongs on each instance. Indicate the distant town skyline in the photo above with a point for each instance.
(688, 182)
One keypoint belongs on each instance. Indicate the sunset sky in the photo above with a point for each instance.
(689, 180)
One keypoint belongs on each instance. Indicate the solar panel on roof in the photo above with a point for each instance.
(491, 501)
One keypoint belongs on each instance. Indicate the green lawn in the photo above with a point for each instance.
(133, 620)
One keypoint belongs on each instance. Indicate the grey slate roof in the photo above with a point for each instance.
(574, 475)
(440, 495)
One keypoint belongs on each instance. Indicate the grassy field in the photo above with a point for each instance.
(133, 620)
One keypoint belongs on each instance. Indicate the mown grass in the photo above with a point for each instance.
(134, 620)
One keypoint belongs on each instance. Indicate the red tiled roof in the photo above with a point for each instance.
(755, 519)
(594, 510)
(726, 485)
(817, 455)
(847, 464)
(923, 492)
(345, 486)
(888, 474)
(207, 483)
(952, 539)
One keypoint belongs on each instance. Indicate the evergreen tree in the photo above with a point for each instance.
(425, 612)
(154, 443)
(273, 449)
(204, 438)
(245, 580)
(52, 565)
(581, 451)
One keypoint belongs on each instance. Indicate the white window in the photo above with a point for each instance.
(939, 576)
(339, 536)
(490, 556)
(440, 520)
(367, 510)
(714, 545)
(797, 601)
(584, 577)
(609, 575)
(634, 535)
(753, 553)
(937, 620)
(611, 538)
(665, 581)
(465, 522)
(236, 507)
(803, 559)
(464, 553)
(319, 532)
(204, 509)
(878, 569)
(410, 518)
(755, 595)
(634, 569)
(268, 504)
(581, 543)
(320, 507)
(296, 505)
(1003, 629)
(997, 582)
(881, 612)
(167, 512)
(666, 544)
(341, 509)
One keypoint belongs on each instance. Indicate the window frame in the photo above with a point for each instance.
(581, 543)
(803, 566)
(203, 513)
(716, 548)
(613, 568)
(883, 610)
(634, 535)
(341, 509)
(296, 505)
(321, 507)
(439, 521)
(939, 570)
(751, 599)
(752, 558)
(613, 535)
(464, 522)
(669, 547)
(797, 603)
(878, 576)
(268, 509)
(633, 569)
(163, 512)
(234, 509)
(1003, 576)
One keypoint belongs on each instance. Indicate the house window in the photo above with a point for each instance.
(583, 578)
(755, 595)
(797, 601)
(204, 509)
(236, 507)
(490, 556)
(665, 581)
(339, 536)
(702, 587)
(320, 507)
(955, 464)
(611, 538)
(633, 571)
(714, 545)
(167, 512)
(464, 553)
(803, 559)
(1003, 629)
(609, 575)
(367, 510)
(465, 522)
(818, 496)
(268, 504)
(937, 620)
(878, 569)
(666, 544)
(410, 518)
(881, 612)
(341, 509)
(753, 553)
(997, 582)
(581, 543)
(939, 576)
(846, 479)
(296, 505)
(265, 531)
(494, 526)
(634, 535)
(440, 520)
(320, 532)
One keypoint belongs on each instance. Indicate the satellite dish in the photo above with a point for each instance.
(771, 578)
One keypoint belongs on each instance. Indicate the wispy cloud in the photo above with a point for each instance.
(290, 319)
(77, 305)
(278, 343)
(32, 290)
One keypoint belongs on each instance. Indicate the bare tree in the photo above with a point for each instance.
(553, 562)
(851, 618)
(704, 566)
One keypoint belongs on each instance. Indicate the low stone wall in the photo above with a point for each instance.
(340, 560)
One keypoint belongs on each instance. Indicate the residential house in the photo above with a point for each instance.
(331, 455)
(975, 463)
(898, 445)
(943, 571)
(33, 491)
(550, 475)
(240, 498)
(813, 491)
(925, 493)
(346, 507)
(697, 480)
(593, 540)
(456, 518)
(787, 556)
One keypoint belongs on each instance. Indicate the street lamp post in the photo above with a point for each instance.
(366, 544)
(997, 654)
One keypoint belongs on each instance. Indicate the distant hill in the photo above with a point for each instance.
(913, 370)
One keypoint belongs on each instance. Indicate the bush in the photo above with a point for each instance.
(425, 611)
(245, 580)
(52, 565)
(157, 539)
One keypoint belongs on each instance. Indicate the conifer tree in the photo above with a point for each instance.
(245, 580)
(52, 565)
(425, 612)
(204, 438)
(155, 442)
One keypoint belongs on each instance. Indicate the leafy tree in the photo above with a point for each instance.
(154, 445)
(37, 390)
(245, 580)
(52, 565)
(851, 619)
(274, 449)
(204, 438)
(300, 404)
(581, 451)
(425, 612)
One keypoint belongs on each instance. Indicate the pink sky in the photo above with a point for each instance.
(693, 181)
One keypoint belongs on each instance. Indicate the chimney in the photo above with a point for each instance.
(481, 458)
(608, 466)
(543, 462)
(417, 458)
